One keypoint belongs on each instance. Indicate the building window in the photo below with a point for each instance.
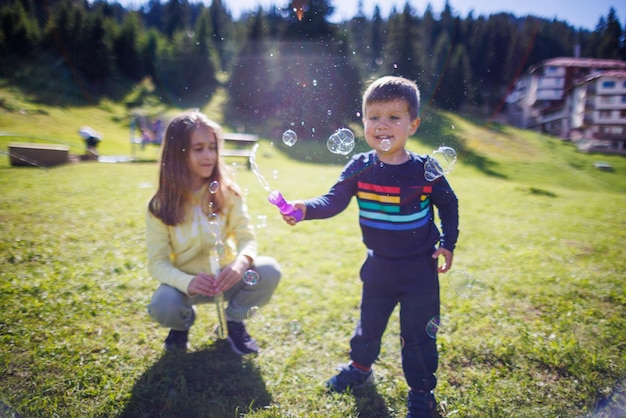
(551, 70)
(612, 130)
(608, 84)
(604, 114)
(606, 99)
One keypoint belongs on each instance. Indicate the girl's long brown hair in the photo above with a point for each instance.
(174, 192)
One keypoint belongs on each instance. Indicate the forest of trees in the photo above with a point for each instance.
(290, 64)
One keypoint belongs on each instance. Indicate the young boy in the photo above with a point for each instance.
(396, 215)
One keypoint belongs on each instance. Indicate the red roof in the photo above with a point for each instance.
(581, 62)
(598, 74)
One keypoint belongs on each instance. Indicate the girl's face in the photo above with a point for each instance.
(388, 125)
(202, 155)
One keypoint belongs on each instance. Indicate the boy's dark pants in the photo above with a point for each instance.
(414, 284)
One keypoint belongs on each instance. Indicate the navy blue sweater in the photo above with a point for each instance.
(395, 205)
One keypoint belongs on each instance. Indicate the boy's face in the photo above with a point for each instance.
(388, 125)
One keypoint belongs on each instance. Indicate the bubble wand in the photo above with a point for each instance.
(275, 197)
(214, 260)
(222, 328)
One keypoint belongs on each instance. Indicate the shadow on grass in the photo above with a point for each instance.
(370, 404)
(434, 132)
(213, 382)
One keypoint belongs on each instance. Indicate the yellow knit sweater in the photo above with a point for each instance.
(177, 253)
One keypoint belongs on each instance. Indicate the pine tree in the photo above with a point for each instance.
(320, 84)
(377, 40)
(19, 32)
(455, 86)
(176, 17)
(358, 29)
(186, 70)
(609, 33)
(402, 57)
(96, 59)
(126, 46)
(220, 22)
(250, 83)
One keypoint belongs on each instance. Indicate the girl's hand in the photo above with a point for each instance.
(298, 204)
(447, 259)
(232, 273)
(202, 284)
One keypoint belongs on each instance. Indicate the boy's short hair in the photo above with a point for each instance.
(390, 88)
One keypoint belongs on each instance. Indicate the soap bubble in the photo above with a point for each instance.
(396, 337)
(213, 187)
(440, 162)
(295, 327)
(254, 314)
(433, 326)
(345, 135)
(446, 156)
(255, 169)
(464, 284)
(289, 137)
(261, 221)
(219, 248)
(341, 142)
(385, 144)
(250, 277)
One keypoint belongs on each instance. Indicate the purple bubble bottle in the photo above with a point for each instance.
(277, 199)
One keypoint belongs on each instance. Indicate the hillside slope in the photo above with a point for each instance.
(493, 149)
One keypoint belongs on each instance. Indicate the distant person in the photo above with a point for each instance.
(147, 137)
(91, 138)
(397, 218)
(132, 128)
(180, 240)
(157, 130)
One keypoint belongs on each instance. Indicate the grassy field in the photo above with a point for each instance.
(539, 334)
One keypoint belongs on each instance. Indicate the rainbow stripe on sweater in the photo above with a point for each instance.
(383, 207)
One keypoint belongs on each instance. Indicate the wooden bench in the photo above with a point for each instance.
(238, 145)
(40, 155)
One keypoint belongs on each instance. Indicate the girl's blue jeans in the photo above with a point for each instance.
(174, 309)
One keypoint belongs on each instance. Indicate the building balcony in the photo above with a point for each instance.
(609, 136)
(591, 120)
(549, 95)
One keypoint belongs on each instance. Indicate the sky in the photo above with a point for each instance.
(578, 13)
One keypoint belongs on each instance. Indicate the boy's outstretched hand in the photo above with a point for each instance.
(447, 259)
(298, 204)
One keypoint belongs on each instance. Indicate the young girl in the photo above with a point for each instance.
(195, 185)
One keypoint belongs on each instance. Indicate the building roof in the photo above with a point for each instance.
(600, 74)
(580, 62)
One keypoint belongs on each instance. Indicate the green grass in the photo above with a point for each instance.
(542, 231)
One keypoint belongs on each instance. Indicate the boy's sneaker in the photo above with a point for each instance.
(421, 404)
(349, 377)
(177, 340)
(240, 341)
